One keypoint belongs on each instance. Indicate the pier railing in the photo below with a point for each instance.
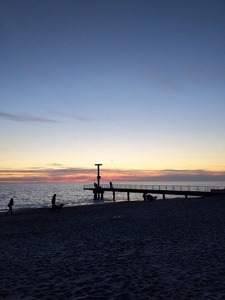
(157, 187)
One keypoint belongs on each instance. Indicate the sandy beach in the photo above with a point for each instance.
(167, 249)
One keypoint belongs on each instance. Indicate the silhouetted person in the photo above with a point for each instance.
(110, 184)
(10, 205)
(53, 201)
(150, 198)
(54, 206)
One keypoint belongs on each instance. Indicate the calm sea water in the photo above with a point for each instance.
(38, 195)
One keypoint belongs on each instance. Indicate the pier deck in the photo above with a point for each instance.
(155, 189)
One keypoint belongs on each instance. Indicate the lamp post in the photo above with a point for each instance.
(98, 174)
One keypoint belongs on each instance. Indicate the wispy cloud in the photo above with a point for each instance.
(55, 165)
(72, 116)
(24, 118)
(48, 175)
(58, 173)
(78, 117)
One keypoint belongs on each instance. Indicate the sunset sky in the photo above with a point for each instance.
(137, 85)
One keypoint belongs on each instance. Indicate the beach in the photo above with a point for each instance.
(165, 249)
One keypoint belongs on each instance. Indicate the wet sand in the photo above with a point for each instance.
(167, 249)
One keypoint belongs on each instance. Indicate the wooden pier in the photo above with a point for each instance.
(163, 190)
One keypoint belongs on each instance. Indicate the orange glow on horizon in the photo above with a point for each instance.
(90, 175)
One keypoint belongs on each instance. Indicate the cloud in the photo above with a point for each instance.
(60, 174)
(25, 118)
(55, 165)
(77, 117)
(72, 116)
(48, 175)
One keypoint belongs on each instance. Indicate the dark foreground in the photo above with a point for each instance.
(172, 249)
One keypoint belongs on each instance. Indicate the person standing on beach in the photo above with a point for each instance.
(10, 205)
(53, 201)
(145, 196)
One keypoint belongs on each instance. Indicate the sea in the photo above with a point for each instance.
(39, 195)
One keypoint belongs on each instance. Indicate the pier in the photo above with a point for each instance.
(179, 190)
(184, 190)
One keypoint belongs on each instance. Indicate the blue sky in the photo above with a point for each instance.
(134, 85)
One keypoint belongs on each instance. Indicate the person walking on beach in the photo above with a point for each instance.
(53, 201)
(10, 205)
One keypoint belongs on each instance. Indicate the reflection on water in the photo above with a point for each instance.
(36, 195)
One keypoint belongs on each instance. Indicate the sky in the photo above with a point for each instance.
(136, 85)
